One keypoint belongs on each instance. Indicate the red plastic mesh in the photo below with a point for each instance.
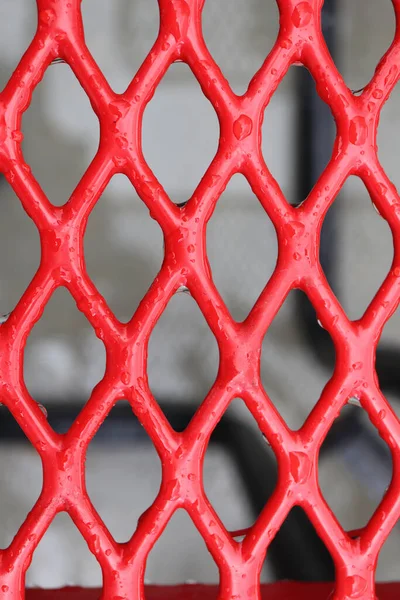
(60, 34)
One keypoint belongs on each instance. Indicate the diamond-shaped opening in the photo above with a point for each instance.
(183, 359)
(297, 359)
(367, 30)
(19, 247)
(61, 133)
(298, 134)
(120, 35)
(387, 361)
(63, 360)
(21, 466)
(18, 22)
(358, 252)
(355, 468)
(240, 465)
(240, 34)
(278, 130)
(389, 125)
(188, 558)
(63, 558)
(297, 553)
(388, 560)
(180, 133)
(241, 247)
(123, 247)
(126, 459)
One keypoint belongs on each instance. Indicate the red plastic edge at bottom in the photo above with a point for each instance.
(283, 590)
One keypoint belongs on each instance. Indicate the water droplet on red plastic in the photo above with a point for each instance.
(302, 14)
(377, 94)
(300, 466)
(94, 544)
(354, 401)
(355, 586)
(266, 440)
(219, 543)
(43, 409)
(47, 16)
(294, 228)
(3, 318)
(382, 188)
(357, 366)
(173, 489)
(286, 43)
(358, 131)
(183, 290)
(242, 127)
(125, 378)
(391, 76)
(17, 135)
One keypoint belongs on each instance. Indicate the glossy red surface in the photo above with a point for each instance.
(60, 34)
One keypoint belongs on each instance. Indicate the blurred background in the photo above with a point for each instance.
(124, 249)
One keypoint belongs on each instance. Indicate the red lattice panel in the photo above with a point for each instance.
(60, 34)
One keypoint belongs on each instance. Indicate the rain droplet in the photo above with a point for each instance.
(377, 94)
(183, 290)
(376, 209)
(354, 401)
(43, 409)
(219, 543)
(300, 466)
(391, 76)
(357, 366)
(302, 14)
(242, 127)
(125, 377)
(17, 135)
(47, 16)
(266, 440)
(358, 131)
(355, 586)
